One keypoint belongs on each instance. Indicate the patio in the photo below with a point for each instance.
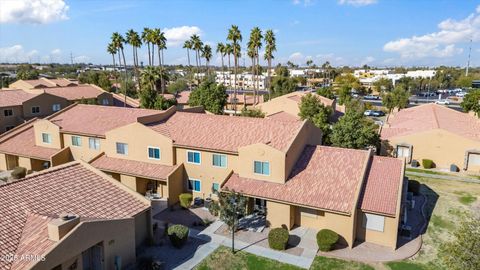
(192, 217)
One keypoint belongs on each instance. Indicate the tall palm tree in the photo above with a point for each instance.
(228, 52)
(111, 49)
(207, 54)
(150, 77)
(254, 44)
(118, 42)
(235, 36)
(135, 41)
(270, 48)
(188, 45)
(146, 39)
(159, 39)
(155, 40)
(221, 51)
(197, 45)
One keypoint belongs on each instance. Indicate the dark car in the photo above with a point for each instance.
(378, 113)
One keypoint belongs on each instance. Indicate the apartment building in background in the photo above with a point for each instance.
(243, 80)
(279, 165)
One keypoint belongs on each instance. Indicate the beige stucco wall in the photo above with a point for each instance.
(205, 171)
(25, 163)
(82, 152)
(62, 157)
(45, 102)
(439, 145)
(280, 215)
(117, 237)
(278, 104)
(3, 162)
(261, 152)
(143, 229)
(14, 120)
(139, 138)
(386, 238)
(176, 184)
(307, 135)
(129, 181)
(45, 126)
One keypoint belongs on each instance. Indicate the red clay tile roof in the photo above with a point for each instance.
(96, 120)
(182, 97)
(380, 191)
(227, 133)
(298, 98)
(74, 92)
(283, 116)
(23, 144)
(132, 167)
(39, 83)
(119, 101)
(10, 98)
(241, 99)
(323, 177)
(63, 82)
(431, 116)
(71, 188)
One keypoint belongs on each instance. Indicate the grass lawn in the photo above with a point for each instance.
(405, 266)
(425, 171)
(323, 263)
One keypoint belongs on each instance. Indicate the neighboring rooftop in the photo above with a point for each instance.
(119, 101)
(431, 116)
(22, 142)
(227, 133)
(95, 119)
(77, 188)
(297, 97)
(10, 98)
(323, 177)
(73, 93)
(183, 97)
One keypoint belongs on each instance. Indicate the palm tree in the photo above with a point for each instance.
(207, 54)
(197, 45)
(135, 41)
(235, 36)
(188, 45)
(155, 40)
(118, 41)
(270, 48)
(146, 39)
(221, 51)
(255, 43)
(229, 51)
(150, 77)
(111, 49)
(159, 39)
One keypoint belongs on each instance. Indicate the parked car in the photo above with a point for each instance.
(371, 97)
(442, 102)
(378, 113)
(373, 113)
(368, 113)
(460, 94)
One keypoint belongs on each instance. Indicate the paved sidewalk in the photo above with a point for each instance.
(445, 177)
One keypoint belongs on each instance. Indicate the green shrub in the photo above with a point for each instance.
(178, 235)
(214, 208)
(185, 200)
(326, 239)
(428, 163)
(19, 172)
(414, 186)
(278, 238)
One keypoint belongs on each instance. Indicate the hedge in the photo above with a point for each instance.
(428, 163)
(178, 235)
(185, 200)
(278, 238)
(326, 239)
(19, 172)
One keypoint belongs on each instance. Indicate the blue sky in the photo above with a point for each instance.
(344, 32)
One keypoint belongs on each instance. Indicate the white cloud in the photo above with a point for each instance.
(33, 11)
(177, 35)
(330, 57)
(56, 52)
(367, 60)
(16, 54)
(357, 3)
(297, 58)
(442, 43)
(304, 2)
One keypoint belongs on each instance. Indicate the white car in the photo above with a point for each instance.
(460, 94)
(442, 102)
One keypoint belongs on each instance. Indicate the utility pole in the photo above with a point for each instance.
(468, 62)
(71, 58)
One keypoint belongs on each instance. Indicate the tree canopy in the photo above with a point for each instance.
(98, 78)
(471, 102)
(232, 206)
(150, 99)
(254, 112)
(177, 86)
(212, 96)
(282, 85)
(326, 92)
(27, 72)
(312, 108)
(383, 85)
(354, 130)
(398, 98)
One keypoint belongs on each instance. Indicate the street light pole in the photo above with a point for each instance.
(233, 226)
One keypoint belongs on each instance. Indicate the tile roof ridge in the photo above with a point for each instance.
(53, 115)
(17, 130)
(435, 116)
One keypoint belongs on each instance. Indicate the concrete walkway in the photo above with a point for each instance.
(444, 177)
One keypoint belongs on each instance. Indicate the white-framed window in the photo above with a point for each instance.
(194, 185)
(35, 109)
(122, 148)
(194, 157)
(76, 141)
(373, 222)
(94, 143)
(46, 138)
(7, 112)
(215, 188)
(105, 101)
(153, 152)
(219, 160)
(7, 128)
(261, 167)
(56, 107)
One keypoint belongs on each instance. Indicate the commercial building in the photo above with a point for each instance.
(435, 132)
(71, 217)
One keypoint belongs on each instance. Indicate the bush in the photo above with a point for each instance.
(178, 235)
(214, 208)
(185, 200)
(326, 239)
(19, 172)
(278, 238)
(414, 186)
(428, 163)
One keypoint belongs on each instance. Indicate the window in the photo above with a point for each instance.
(7, 128)
(105, 101)
(122, 148)
(46, 138)
(56, 107)
(261, 167)
(193, 157)
(219, 160)
(153, 153)
(194, 185)
(94, 143)
(35, 109)
(8, 112)
(76, 141)
(373, 222)
(215, 187)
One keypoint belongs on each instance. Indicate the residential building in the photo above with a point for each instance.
(243, 101)
(41, 83)
(162, 154)
(435, 132)
(244, 80)
(71, 217)
(430, 73)
(88, 93)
